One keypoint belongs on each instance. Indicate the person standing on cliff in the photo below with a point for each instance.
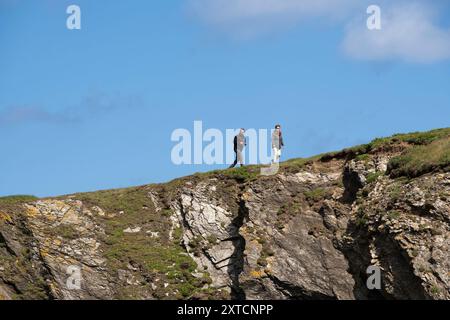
(277, 143)
(239, 143)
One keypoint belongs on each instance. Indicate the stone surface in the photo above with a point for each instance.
(307, 234)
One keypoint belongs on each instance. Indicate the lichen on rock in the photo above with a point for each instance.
(308, 232)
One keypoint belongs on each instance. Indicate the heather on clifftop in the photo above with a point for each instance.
(308, 232)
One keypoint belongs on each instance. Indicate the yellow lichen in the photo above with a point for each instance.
(245, 196)
(257, 273)
(31, 211)
(53, 287)
(43, 252)
(5, 217)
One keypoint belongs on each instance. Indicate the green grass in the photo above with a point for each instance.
(66, 231)
(414, 139)
(159, 257)
(435, 290)
(240, 174)
(13, 205)
(316, 194)
(132, 201)
(266, 252)
(243, 174)
(393, 214)
(373, 176)
(155, 257)
(295, 165)
(363, 157)
(249, 173)
(286, 212)
(11, 200)
(421, 159)
(19, 271)
(423, 138)
(362, 221)
(394, 191)
(360, 152)
(169, 263)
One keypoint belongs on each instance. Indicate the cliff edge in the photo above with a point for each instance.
(308, 232)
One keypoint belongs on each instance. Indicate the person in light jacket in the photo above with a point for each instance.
(277, 143)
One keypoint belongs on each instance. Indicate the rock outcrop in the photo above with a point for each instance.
(308, 232)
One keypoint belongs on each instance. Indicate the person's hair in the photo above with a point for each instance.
(277, 126)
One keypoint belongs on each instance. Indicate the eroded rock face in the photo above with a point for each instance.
(211, 234)
(66, 239)
(407, 224)
(303, 239)
(296, 258)
(304, 234)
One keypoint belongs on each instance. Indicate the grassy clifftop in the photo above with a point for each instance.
(420, 153)
(137, 237)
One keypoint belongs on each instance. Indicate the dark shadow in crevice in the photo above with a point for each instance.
(236, 265)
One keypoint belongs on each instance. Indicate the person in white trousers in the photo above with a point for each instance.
(277, 143)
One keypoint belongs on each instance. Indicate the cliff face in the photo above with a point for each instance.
(308, 232)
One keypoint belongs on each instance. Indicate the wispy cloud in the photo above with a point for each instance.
(410, 30)
(27, 114)
(247, 18)
(100, 104)
(94, 105)
(408, 33)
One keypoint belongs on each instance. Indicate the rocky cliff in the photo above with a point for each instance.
(308, 232)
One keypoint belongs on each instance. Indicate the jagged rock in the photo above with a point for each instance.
(308, 232)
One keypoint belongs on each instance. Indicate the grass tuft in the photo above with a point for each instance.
(421, 159)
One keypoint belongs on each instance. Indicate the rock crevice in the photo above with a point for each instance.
(308, 232)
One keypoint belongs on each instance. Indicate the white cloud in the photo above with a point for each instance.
(256, 17)
(409, 33)
(409, 28)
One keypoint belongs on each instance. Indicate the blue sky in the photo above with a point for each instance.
(90, 109)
